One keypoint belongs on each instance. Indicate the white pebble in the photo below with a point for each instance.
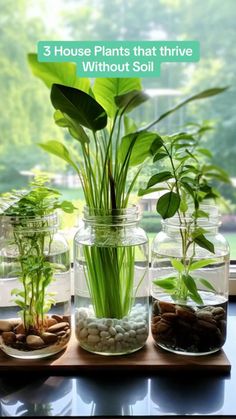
(141, 331)
(119, 337)
(83, 333)
(112, 331)
(126, 336)
(104, 334)
(109, 322)
(93, 338)
(93, 331)
(132, 333)
(102, 327)
(119, 329)
(141, 338)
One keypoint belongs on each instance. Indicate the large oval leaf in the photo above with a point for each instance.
(75, 129)
(130, 100)
(62, 73)
(79, 106)
(168, 204)
(106, 89)
(137, 145)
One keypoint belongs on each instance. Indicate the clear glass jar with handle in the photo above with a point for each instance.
(189, 285)
(35, 295)
(111, 282)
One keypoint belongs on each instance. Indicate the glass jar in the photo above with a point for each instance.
(111, 282)
(190, 285)
(35, 294)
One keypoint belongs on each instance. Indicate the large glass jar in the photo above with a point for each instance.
(111, 282)
(189, 286)
(35, 293)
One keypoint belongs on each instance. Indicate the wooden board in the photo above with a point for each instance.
(150, 359)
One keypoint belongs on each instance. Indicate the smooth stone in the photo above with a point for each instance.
(49, 338)
(104, 334)
(5, 326)
(118, 337)
(15, 321)
(51, 322)
(20, 337)
(132, 333)
(58, 327)
(58, 318)
(83, 333)
(93, 338)
(112, 331)
(119, 329)
(9, 337)
(19, 329)
(80, 324)
(102, 327)
(141, 331)
(93, 331)
(34, 342)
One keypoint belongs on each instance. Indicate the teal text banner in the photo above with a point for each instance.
(118, 58)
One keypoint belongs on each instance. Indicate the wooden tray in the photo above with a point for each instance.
(74, 360)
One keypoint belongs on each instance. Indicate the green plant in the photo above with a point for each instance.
(187, 184)
(29, 214)
(110, 145)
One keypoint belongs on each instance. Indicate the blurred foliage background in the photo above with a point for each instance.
(26, 113)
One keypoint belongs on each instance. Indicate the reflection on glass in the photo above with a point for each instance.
(187, 396)
(105, 396)
(45, 397)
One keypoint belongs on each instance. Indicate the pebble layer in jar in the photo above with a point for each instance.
(112, 336)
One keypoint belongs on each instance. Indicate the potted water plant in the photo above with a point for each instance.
(35, 273)
(111, 255)
(190, 259)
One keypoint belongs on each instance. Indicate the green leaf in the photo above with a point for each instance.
(156, 145)
(202, 241)
(59, 150)
(200, 214)
(159, 178)
(168, 204)
(67, 207)
(202, 95)
(143, 192)
(201, 264)
(137, 145)
(205, 152)
(168, 283)
(75, 129)
(79, 106)
(159, 156)
(191, 286)
(106, 89)
(62, 73)
(131, 100)
(130, 125)
(206, 283)
(177, 265)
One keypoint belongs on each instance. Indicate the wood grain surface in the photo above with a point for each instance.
(74, 360)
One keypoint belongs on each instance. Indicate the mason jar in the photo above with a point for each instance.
(35, 293)
(189, 285)
(111, 282)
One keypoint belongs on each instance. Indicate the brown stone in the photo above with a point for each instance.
(58, 318)
(186, 314)
(162, 326)
(170, 317)
(34, 342)
(166, 307)
(19, 330)
(156, 319)
(15, 321)
(206, 326)
(66, 319)
(49, 338)
(58, 327)
(61, 333)
(5, 326)
(51, 322)
(9, 337)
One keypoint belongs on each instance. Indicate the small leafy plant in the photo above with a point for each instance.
(28, 213)
(109, 146)
(188, 184)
